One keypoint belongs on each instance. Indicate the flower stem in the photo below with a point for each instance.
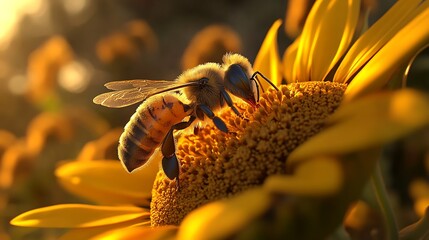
(380, 193)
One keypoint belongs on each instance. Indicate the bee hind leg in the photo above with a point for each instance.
(170, 163)
(170, 166)
(219, 123)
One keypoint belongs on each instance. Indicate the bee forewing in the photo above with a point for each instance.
(118, 99)
(128, 84)
(133, 91)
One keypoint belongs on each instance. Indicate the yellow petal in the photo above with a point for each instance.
(78, 216)
(374, 39)
(397, 52)
(146, 233)
(289, 56)
(107, 182)
(268, 60)
(221, 219)
(90, 232)
(326, 36)
(319, 177)
(368, 122)
(296, 12)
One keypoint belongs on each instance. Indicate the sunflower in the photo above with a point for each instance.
(292, 167)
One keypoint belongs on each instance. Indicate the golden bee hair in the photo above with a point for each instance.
(210, 94)
(235, 58)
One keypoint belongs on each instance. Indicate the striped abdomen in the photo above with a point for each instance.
(147, 128)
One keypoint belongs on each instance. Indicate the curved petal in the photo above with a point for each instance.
(90, 232)
(326, 36)
(368, 122)
(78, 216)
(146, 233)
(374, 39)
(289, 57)
(234, 213)
(296, 12)
(398, 51)
(268, 60)
(106, 181)
(319, 177)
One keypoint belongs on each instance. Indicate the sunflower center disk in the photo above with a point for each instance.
(215, 165)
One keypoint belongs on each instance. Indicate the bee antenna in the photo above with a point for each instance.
(257, 86)
(254, 76)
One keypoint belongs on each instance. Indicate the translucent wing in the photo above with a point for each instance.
(133, 91)
(128, 84)
(121, 98)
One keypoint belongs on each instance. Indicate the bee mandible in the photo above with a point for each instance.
(196, 93)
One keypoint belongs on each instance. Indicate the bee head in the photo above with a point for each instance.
(238, 78)
(239, 83)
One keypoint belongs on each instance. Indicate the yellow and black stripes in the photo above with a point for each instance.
(148, 127)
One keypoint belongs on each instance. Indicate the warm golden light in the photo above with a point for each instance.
(309, 125)
(12, 12)
(74, 76)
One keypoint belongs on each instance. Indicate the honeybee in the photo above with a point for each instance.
(174, 105)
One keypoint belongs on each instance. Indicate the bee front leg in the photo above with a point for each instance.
(228, 100)
(216, 120)
(170, 163)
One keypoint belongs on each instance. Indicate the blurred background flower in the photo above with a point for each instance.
(210, 44)
(55, 57)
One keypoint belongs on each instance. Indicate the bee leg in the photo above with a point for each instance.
(170, 166)
(254, 76)
(170, 163)
(222, 101)
(199, 113)
(216, 120)
(228, 101)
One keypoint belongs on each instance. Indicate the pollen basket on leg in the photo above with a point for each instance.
(215, 165)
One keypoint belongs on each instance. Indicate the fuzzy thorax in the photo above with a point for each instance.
(208, 94)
